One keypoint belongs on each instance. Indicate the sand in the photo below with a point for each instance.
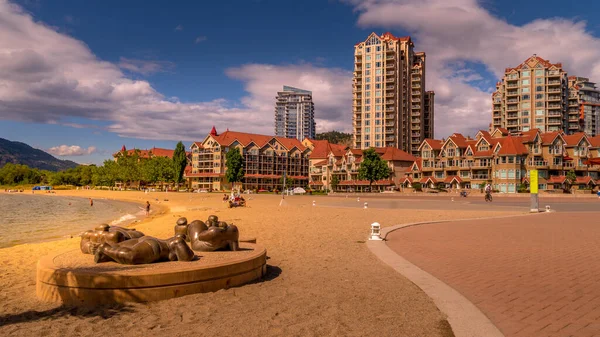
(321, 278)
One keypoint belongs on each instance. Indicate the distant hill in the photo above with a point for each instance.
(336, 137)
(21, 153)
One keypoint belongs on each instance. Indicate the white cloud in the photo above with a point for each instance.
(71, 150)
(49, 77)
(462, 30)
(201, 38)
(145, 67)
(179, 28)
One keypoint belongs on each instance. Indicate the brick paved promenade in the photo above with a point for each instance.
(532, 276)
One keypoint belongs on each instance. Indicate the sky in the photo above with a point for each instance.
(80, 79)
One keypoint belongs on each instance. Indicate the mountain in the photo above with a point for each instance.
(21, 153)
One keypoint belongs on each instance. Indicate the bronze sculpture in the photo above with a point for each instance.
(210, 236)
(145, 249)
(92, 239)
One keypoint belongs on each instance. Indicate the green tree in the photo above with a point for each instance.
(372, 167)
(179, 162)
(571, 178)
(234, 162)
(335, 181)
(158, 170)
(289, 182)
(336, 137)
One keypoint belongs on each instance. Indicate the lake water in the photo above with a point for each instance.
(32, 218)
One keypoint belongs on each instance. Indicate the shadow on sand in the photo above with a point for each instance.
(65, 311)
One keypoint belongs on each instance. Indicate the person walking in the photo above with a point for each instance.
(147, 207)
(91, 202)
(488, 193)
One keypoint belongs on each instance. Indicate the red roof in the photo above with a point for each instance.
(594, 141)
(574, 139)
(424, 180)
(585, 180)
(405, 179)
(228, 137)
(512, 146)
(549, 137)
(545, 63)
(434, 143)
(316, 183)
(392, 37)
(557, 179)
(394, 154)
(213, 131)
(384, 182)
(449, 179)
(322, 163)
(322, 148)
(419, 163)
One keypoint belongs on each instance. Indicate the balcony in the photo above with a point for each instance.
(554, 106)
(512, 85)
(554, 114)
(389, 130)
(390, 109)
(416, 85)
(513, 100)
(389, 139)
(389, 80)
(573, 103)
(538, 163)
(416, 106)
(389, 94)
(553, 73)
(513, 107)
(416, 79)
(415, 92)
(416, 99)
(390, 87)
(390, 116)
(554, 121)
(415, 114)
(358, 83)
(389, 101)
(416, 127)
(480, 177)
(390, 57)
(554, 83)
(554, 90)
(389, 123)
(512, 93)
(389, 65)
(390, 73)
(358, 75)
(554, 98)
(415, 134)
(512, 115)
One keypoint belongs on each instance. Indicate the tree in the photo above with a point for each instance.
(571, 178)
(336, 137)
(335, 181)
(179, 162)
(372, 167)
(289, 182)
(234, 162)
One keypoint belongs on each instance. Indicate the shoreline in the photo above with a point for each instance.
(125, 219)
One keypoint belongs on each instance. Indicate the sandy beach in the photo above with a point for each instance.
(321, 279)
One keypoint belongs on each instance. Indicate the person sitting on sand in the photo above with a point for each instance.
(145, 250)
(225, 197)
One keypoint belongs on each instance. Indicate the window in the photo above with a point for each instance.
(511, 160)
(378, 72)
(367, 101)
(367, 130)
(525, 113)
(539, 104)
(525, 105)
(539, 72)
(525, 97)
(377, 144)
(367, 87)
(378, 48)
(539, 112)
(367, 115)
(525, 82)
(378, 130)
(367, 137)
(368, 94)
(539, 120)
(525, 90)
(368, 58)
(378, 57)
(539, 88)
(368, 49)
(367, 108)
(525, 73)
(378, 136)
(367, 72)
(377, 64)
(377, 100)
(378, 93)
(367, 144)
(378, 108)
(378, 115)
(377, 85)
(539, 80)
(367, 65)
(539, 96)
(377, 78)
(525, 121)
(525, 128)
(368, 80)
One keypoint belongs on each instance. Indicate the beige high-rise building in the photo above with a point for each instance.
(390, 105)
(532, 95)
(584, 106)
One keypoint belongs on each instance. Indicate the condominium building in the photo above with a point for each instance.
(266, 160)
(505, 161)
(332, 160)
(584, 106)
(295, 114)
(390, 105)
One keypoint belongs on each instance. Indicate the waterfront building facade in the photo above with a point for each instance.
(332, 160)
(390, 105)
(505, 159)
(295, 114)
(266, 160)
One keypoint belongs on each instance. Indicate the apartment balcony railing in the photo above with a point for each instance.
(554, 73)
(480, 176)
(389, 65)
(415, 114)
(554, 90)
(416, 134)
(554, 98)
(416, 79)
(389, 94)
(416, 100)
(512, 108)
(390, 109)
(389, 80)
(554, 121)
(416, 92)
(388, 116)
(416, 127)
(389, 101)
(554, 106)
(573, 118)
(512, 93)
(390, 73)
(389, 124)
(482, 164)
(391, 138)
(512, 101)
(389, 57)
(538, 163)
(390, 87)
(415, 120)
(512, 123)
(512, 115)
(512, 85)
(388, 130)
(554, 82)
(358, 82)
(573, 104)
(416, 85)
(554, 113)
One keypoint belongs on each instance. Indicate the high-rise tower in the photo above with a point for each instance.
(390, 105)
(294, 114)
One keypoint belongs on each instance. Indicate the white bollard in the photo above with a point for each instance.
(366, 205)
(547, 208)
(375, 231)
(452, 198)
(358, 199)
(314, 203)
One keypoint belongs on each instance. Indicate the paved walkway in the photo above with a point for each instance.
(532, 276)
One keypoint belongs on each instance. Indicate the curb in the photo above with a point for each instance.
(464, 317)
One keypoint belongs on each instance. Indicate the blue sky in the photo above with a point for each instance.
(187, 65)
